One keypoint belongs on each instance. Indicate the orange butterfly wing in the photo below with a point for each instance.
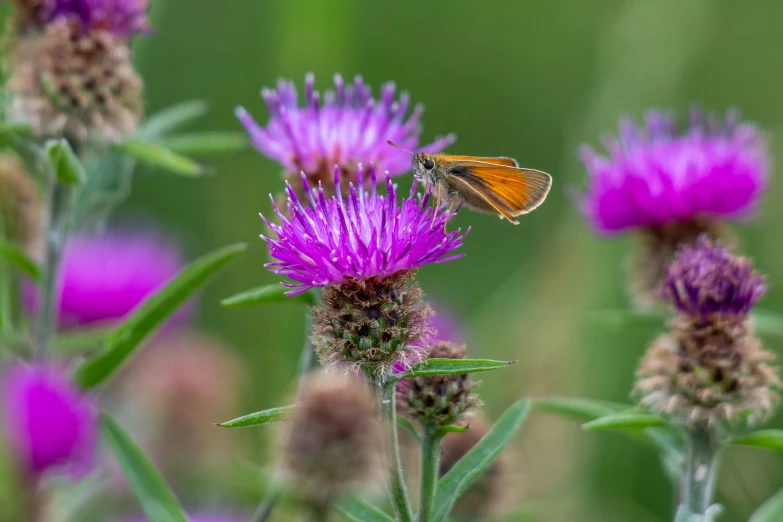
(512, 191)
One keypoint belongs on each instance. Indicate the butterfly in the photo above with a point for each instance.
(494, 185)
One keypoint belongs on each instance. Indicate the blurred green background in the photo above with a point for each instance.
(526, 79)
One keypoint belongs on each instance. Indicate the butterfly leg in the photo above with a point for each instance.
(454, 205)
(436, 205)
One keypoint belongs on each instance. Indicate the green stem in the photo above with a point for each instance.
(267, 506)
(430, 465)
(697, 489)
(399, 493)
(61, 202)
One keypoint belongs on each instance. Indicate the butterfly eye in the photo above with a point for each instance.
(429, 164)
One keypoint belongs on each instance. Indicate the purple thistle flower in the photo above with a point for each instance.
(48, 423)
(344, 127)
(706, 280)
(654, 176)
(362, 236)
(104, 277)
(122, 18)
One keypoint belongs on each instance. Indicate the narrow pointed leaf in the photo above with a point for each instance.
(451, 428)
(206, 142)
(451, 367)
(155, 497)
(274, 293)
(624, 421)
(357, 510)
(17, 257)
(476, 461)
(766, 322)
(766, 439)
(259, 418)
(770, 511)
(18, 129)
(171, 118)
(66, 165)
(579, 408)
(157, 156)
(81, 341)
(408, 425)
(152, 313)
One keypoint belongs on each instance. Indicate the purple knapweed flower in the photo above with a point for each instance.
(653, 176)
(706, 279)
(365, 235)
(121, 18)
(344, 127)
(103, 277)
(47, 422)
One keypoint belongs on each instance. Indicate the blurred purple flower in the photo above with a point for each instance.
(706, 280)
(122, 18)
(103, 277)
(345, 127)
(363, 236)
(48, 423)
(654, 176)
(446, 326)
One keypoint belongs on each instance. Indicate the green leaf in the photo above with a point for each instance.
(476, 461)
(158, 156)
(628, 317)
(408, 425)
(259, 418)
(357, 510)
(18, 129)
(266, 294)
(157, 500)
(66, 165)
(17, 257)
(767, 322)
(206, 142)
(767, 439)
(770, 511)
(81, 341)
(623, 421)
(171, 118)
(451, 428)
(450, 367)
(579, 408)
(152, 313)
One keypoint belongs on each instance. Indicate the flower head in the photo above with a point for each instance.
(710, 368)
(78, 85)
(654, 176)
(363, 236)
(346, 127)
(103, 277)
(441, 399)
(121, 18)
(706, 280)
(333, 441)
(49, 424)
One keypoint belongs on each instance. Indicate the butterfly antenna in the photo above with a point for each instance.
(390, 142)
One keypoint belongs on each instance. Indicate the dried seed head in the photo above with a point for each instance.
(486, 497)
(441, 399)
(372, 323)
(333, 440)
(20, 202)
(75, 85)
(649, 265)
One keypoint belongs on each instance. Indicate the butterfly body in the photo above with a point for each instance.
(493, 185)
